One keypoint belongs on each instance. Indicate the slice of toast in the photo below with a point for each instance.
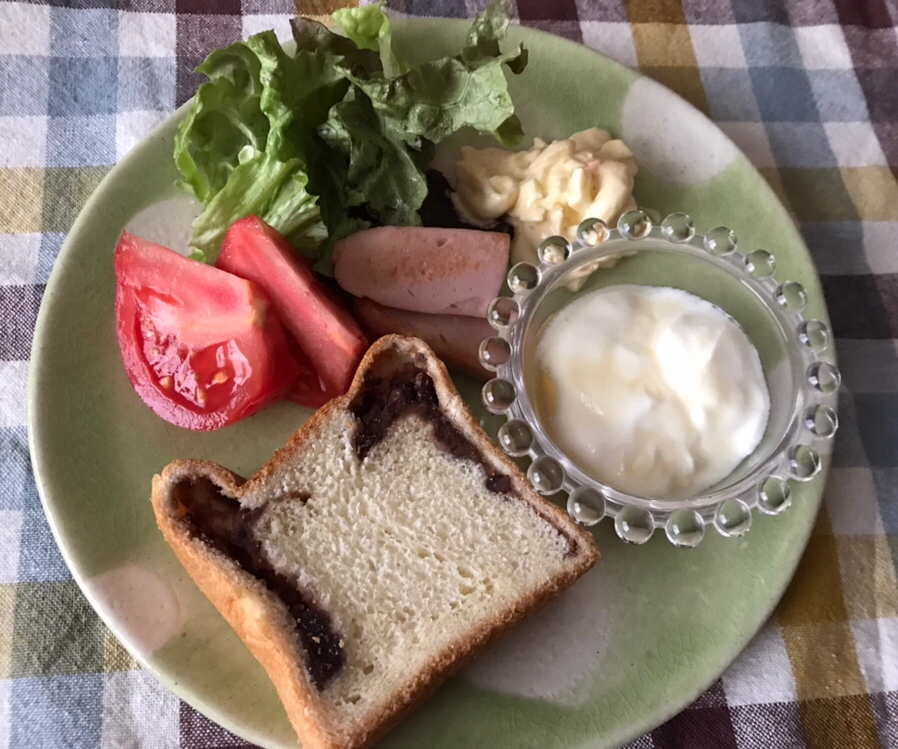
(376, 552)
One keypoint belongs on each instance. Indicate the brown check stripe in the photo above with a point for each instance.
(807, 88)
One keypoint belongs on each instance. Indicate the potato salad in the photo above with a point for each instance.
(548, 189)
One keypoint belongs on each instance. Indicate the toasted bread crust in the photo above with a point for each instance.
(258, 617)
(261, 619)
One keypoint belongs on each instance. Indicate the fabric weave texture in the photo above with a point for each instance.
(806, 88)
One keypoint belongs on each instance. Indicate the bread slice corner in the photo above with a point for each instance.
(376, 552)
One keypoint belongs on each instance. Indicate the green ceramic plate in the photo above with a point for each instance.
(628, 646)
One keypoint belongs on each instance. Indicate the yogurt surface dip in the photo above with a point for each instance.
(651, 390)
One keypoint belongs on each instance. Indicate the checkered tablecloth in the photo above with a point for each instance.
(807, 88)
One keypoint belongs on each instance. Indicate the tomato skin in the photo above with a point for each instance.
(200, 346)
(326, 331)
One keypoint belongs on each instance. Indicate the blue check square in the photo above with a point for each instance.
(784, 94)
(877, 420)
(51, 244)
(827, 241)
(146, 84)
(17, 490)
(82, 86)
(84, 33)
(45, 708)
(886, 482)
(81, 141)
(839, 96)
(114, 4)
(730, 96)
(24, 85)
(443, 8)
(848, 451)
(266, 6)
(879, 86)
(753, 11)
(39, 557)
(800, 144)
(766, 44)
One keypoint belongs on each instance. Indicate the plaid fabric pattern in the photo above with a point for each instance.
(806, 88)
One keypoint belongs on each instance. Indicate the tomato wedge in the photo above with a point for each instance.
(308, 390)
(200, 346)
(325, 331)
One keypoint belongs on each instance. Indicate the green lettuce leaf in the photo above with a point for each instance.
(296, 95)
(313, 36)
(225, 117)
(485, 34)
(438, 98)
(267, 187)
(382, 133)
(242, 148)
(380, 172)
(369, 27)
(321, 142)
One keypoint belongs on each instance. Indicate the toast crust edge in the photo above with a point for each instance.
(261, 620)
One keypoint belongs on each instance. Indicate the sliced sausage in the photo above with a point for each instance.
(424, 269)
(454, 338)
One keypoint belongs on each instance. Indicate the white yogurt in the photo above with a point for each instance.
(653, 391)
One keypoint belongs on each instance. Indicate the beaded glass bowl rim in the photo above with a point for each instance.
(807, 434)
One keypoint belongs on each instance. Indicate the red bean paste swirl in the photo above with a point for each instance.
(220, 522)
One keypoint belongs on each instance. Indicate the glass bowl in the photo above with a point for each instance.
(796, 353)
